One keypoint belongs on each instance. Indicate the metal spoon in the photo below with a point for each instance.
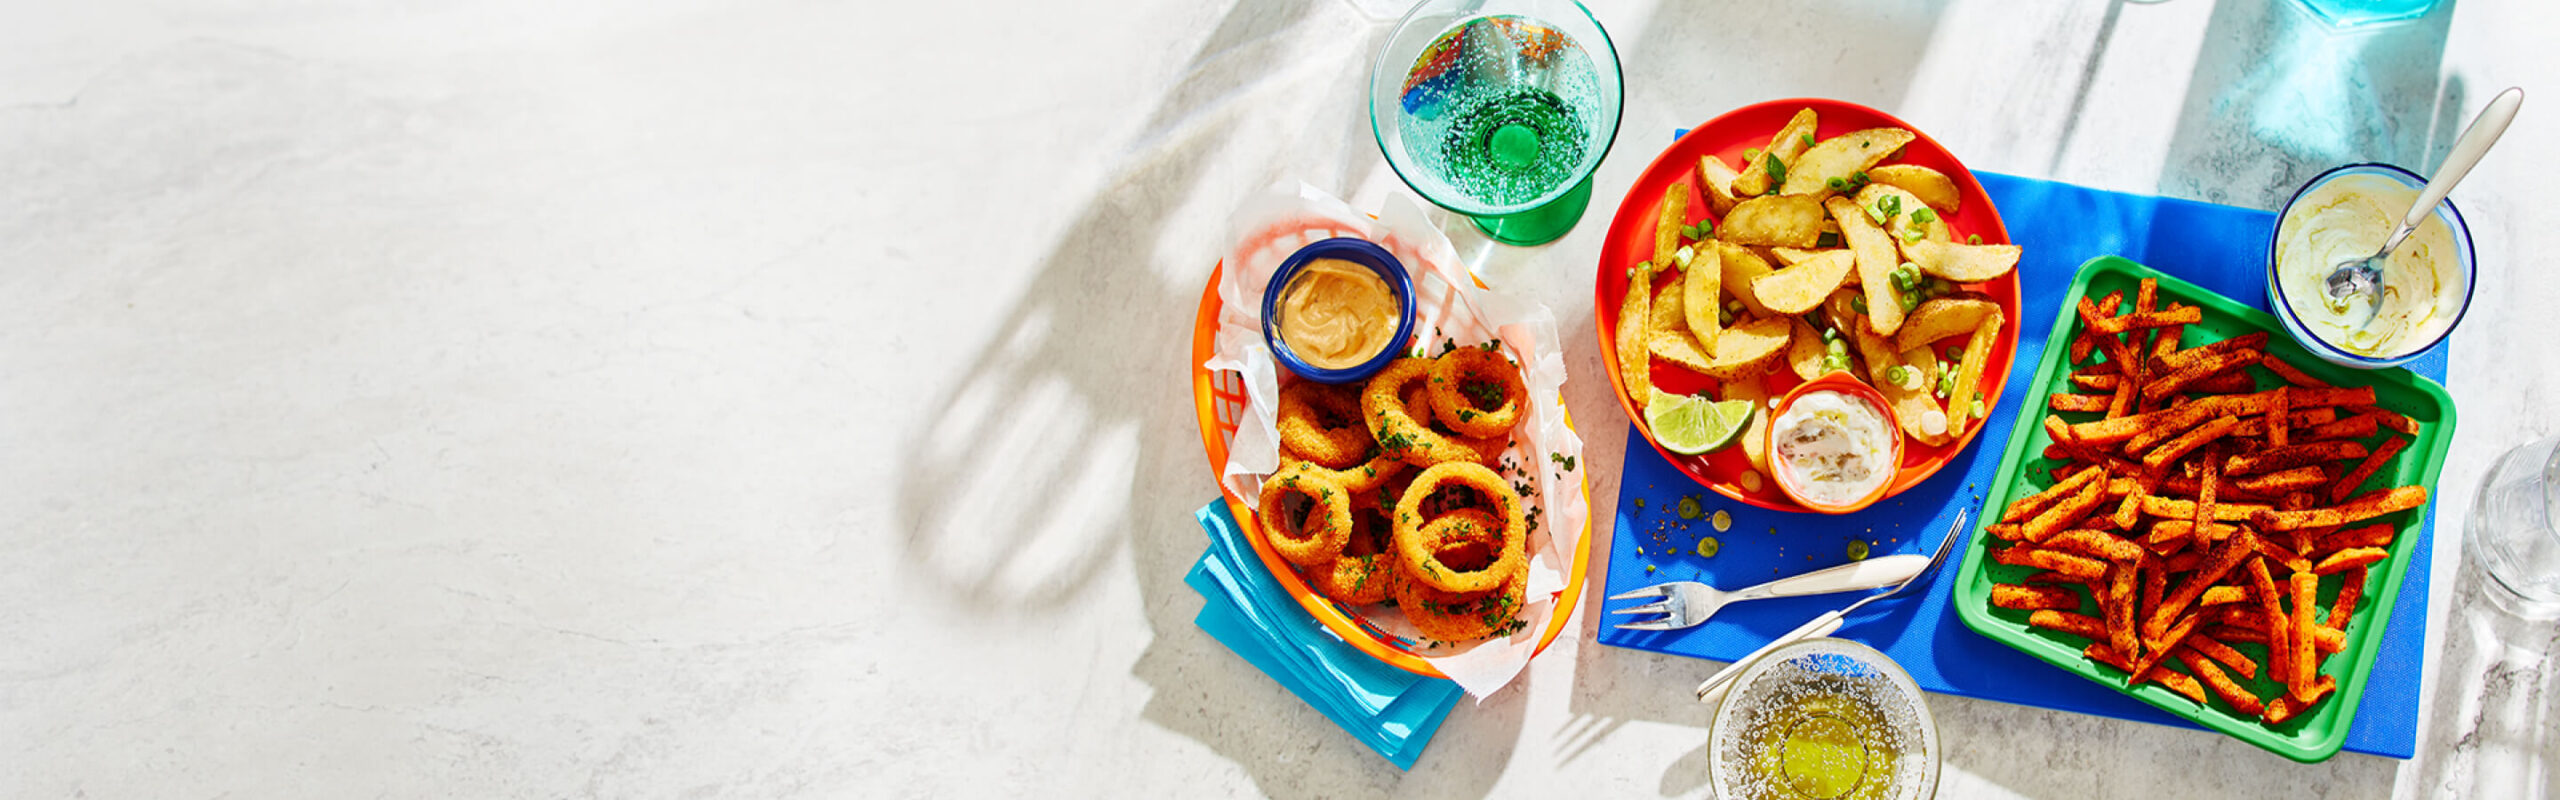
(2360, 278)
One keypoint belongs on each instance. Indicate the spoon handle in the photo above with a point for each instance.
(2467, 151)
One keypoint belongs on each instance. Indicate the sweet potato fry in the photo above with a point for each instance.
(2180, 683)
(2175, 509)
(2284, 708)
(2118, 605)
(2361, 508)
(2291, 374)
(2109, 326)
(2355, 427)
(2068, 622)
(2388, 418)
(2078, 402)
(2204, 642)
(2376, 535)
(2095, 544)
(2083, 343)
(2031, 598)
(2372, 463)
(2178, 379)
(2304, 661)
(2351, 558)
(2064, 513)
(2291, 456)
(2231, 692)
(2224, 558)
(2278, 483)
(2279, 419)
(2222, 595)
(2350, 593)
(2050, 578)
(2103, 654)
(2027, 507)
(2079, 567)
(2182, 358)
(2178, 448)
(2157, 647)
(2315, 398)
(2277, 632)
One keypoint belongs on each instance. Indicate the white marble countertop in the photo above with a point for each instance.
(494, 399)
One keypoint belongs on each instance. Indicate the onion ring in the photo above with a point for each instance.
(1357, 478)
(1321, 536)
(1487, 450)
(1458, 617)
(1303, 408)
(1365, 573)
(1455, 371)
(1399, 432)
(1419, 539)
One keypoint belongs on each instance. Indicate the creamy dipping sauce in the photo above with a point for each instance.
(2348, 217)
(1337, 314)
(1832, 448)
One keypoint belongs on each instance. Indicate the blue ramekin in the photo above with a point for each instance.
(1358, 251)
(2464, 258)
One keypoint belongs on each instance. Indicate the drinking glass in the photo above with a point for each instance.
(1499, 110)
(2512, 535)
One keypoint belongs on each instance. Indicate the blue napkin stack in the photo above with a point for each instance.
(1392, 711)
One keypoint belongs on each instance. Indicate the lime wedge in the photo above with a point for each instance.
(1691, 425)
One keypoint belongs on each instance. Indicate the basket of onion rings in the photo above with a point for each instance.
(1432, 514)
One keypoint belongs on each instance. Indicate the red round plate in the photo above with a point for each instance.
(1631, 240)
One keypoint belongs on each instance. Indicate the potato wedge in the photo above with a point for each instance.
(1803, 287)
(1969, 374)
(1941, 318)
(1931, 186)
(1667, 314)
(1635, 359)
(1790, 256)
(1783, 148)
(1923, 363)
(1804, 349)
(1840, 157)
(1904, 225)
(1743, 351)
(1715, 181)
(1666, 228)
(1877, 352)
(1962, 263)
(1702, 295)
(1741, 267)
(1778, 221)
(1755, 438)
(1841, 311)
(1875, 260)
(1913, 407)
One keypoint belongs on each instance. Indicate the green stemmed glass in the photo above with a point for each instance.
(1499, 110)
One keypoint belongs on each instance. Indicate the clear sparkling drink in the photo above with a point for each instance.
(1500, 109)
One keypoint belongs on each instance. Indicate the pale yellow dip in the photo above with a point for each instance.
(1336, 314)
(1832, 448)
(2347, 218)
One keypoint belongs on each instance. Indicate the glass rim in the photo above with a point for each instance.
(1582, 172)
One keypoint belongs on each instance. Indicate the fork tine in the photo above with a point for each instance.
(1656, 590)
(1652, 625)
(1663, 607)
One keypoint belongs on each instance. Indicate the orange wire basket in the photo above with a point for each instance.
(1220, 398)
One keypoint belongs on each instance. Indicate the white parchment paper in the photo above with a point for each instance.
(1271, 226)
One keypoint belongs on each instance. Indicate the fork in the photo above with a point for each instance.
(1689, 603)
(1832, 620)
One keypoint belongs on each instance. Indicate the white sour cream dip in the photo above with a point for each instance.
(1832, 448)
(2348, 217)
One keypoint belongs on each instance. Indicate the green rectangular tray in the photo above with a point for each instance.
(2024, 470)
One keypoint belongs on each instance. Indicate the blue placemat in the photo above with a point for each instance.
(2217, 247)
(1392, 711)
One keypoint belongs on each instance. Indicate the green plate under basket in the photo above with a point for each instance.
(2024, 470)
